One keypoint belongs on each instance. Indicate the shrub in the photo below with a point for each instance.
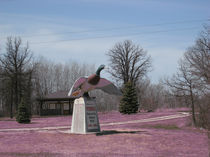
(23, 115)
(129, 103)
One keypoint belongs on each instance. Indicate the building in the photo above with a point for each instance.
(58, 103)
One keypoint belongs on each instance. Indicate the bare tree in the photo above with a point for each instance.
(128, 62)
(184, 84)
(16, 70)
(192, 82)
(198, 57)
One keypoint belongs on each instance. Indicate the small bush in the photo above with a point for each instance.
(23, 115)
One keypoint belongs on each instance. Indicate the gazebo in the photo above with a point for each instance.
(57, 103)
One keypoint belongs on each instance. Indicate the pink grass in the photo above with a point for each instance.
(114, 116)
(132, 140)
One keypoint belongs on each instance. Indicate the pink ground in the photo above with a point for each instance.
(114, 116)
(174, 138)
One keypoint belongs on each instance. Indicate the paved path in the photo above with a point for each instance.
(178, 115)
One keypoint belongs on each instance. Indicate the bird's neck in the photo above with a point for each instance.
(98, 72)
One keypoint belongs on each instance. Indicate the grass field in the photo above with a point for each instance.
(174, 138)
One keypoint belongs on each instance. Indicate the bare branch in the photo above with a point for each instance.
(128, 62)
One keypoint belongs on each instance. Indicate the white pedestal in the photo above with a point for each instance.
(85, 116)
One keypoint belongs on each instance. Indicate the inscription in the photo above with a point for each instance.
(91, 115)
(90, 108)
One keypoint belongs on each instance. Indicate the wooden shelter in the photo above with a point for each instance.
(58, 103)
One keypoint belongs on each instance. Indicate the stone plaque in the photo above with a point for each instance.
(85, 116)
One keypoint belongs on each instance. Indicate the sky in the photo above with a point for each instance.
(85, 30)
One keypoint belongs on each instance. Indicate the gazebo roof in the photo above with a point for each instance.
(56, 96)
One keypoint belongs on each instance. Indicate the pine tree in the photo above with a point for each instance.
(23, 115)
(129, 103)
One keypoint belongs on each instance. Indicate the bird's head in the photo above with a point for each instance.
(101, 67)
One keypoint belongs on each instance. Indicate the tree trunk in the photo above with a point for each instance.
(11, 104)
(16, 92)
(192, 106)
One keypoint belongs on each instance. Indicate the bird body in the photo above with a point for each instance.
(85, 84)
(93, 79)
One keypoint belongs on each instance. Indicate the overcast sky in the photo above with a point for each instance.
(84, 30)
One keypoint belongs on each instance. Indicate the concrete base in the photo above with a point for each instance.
(85, 116)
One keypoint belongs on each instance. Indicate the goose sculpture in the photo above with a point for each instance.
(83, 85)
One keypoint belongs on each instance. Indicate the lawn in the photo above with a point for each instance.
(174, 138)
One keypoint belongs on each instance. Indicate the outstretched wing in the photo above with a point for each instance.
(108, 87)
(75, 89)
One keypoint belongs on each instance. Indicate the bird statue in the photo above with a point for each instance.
(83, 85)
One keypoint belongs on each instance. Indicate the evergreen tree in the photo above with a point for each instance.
(23, 116)
(129, 103)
